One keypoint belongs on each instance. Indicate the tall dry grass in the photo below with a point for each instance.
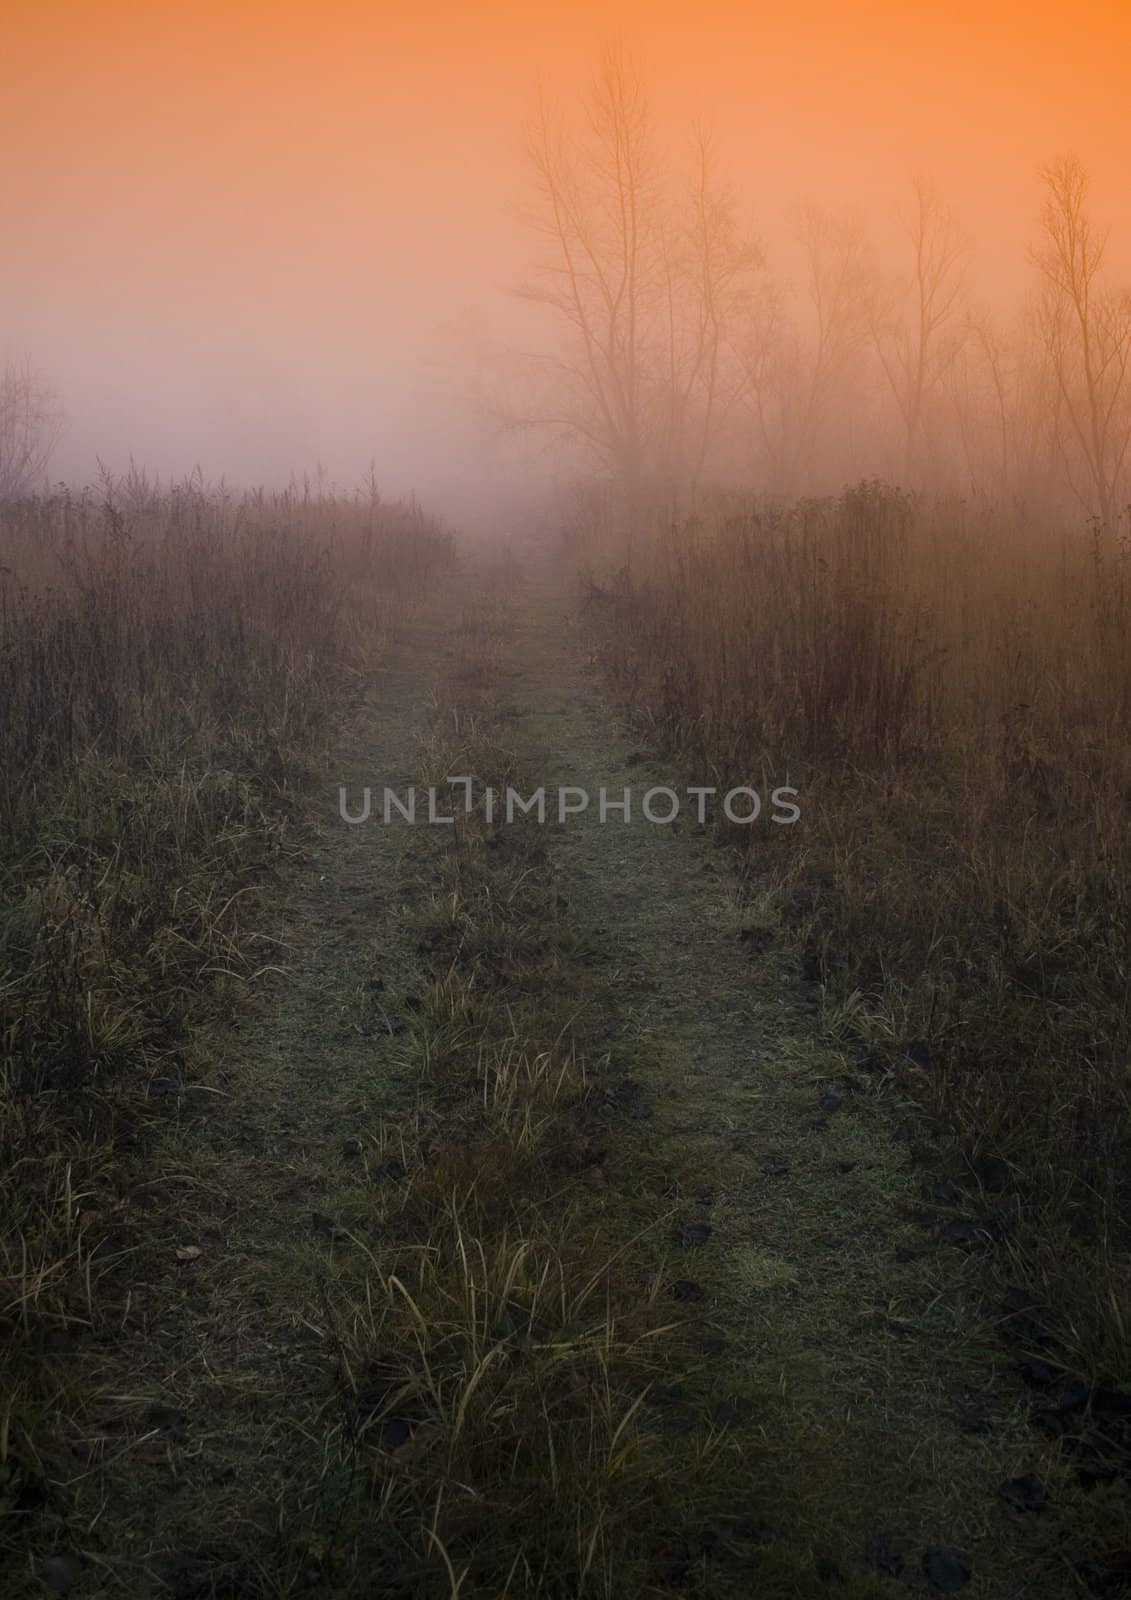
(950, 690)
(170, 665)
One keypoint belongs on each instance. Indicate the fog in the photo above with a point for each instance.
(271, 240)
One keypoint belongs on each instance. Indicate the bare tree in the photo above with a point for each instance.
(710, 272)
(597, 215)
(983, 383)
(1086, 332)
(916, 341)
(798, 378)
(642, 285)
(769, 354)
(31, 420)
(839, 288)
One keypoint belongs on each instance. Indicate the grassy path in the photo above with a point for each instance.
(540, 1044)
(882, 1426)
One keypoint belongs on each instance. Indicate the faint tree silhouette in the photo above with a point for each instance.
(31, 420)
(918, 332)
(643, 279)
(1086, 332)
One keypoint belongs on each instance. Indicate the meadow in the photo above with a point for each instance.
(517, 1200)
(948, 685)
(446, 1202)
(172, 663)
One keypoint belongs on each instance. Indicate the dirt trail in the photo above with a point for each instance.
(879, 1424)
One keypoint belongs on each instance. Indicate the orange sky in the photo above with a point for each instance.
(232, 229)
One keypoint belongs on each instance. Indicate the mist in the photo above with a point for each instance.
(273, 242)
(565, 881)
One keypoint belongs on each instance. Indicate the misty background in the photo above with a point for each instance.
(273, 241)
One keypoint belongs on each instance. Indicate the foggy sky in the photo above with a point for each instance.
(260, 236)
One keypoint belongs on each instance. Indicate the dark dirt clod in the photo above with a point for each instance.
(912, 1252)
(328, 1227)
(1108, 1401)
(170, 1421)
(1020, 1328)
(918, 1052)
(1074, 1396)
(973, 1233)
(61, 1572)
(1026, 1493)
(729, 1531)
(693, 1234)
(624, 1092)
(830, 1099)
(1052, 1422)
(945, 1192)
(673, 1567)
(1038, 1374)
(993, 1174)
(974, 1422)
(880, 1552)
(687, 1290)
(1110, 1576)
(947, 1570)
(395, 1431)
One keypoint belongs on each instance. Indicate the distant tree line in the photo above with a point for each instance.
(677, 359)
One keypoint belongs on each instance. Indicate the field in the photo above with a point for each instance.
(565, 961)
(948, 688)
(561, 1208)
(171, 668)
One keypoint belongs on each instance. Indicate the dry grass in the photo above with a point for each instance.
(493, 1357)
(950, 691)
(170, 665)
(503, 1329)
